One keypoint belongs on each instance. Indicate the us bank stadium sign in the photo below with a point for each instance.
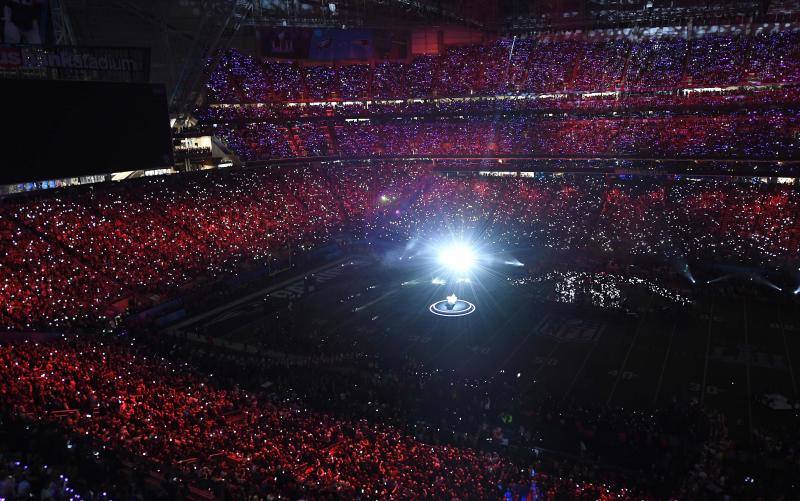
(116, 64)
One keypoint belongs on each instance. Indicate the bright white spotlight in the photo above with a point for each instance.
(457, 257)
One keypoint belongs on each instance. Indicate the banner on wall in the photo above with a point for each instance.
(109, 64)
(333, 44)
(285, 43)
(25, 22)
(330, 44)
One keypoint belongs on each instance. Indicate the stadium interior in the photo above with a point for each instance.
(374, 249)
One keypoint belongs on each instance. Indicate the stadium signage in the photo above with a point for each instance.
(119, 64)
(10, 58)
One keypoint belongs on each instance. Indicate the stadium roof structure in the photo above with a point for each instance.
(184, 35)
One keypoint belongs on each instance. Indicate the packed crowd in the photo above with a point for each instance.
(750, 135)
(603, 290)
(534, 65)
(684, 101)
(578, 450)
(47, 464)
(542, 97)
(164, 413)
(21, 481)
(622, 216)
(218, 429)
(74, 255)
(76, 252)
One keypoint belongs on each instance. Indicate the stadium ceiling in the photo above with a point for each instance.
(113, 21)
(509, 15)
(520, 15)
(376, 13)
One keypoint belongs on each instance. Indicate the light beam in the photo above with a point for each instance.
(457, 257)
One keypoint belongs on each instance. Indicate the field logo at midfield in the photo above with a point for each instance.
(570, 330)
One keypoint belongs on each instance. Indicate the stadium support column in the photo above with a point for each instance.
(212, 38)
(62, 27)
(765, 7)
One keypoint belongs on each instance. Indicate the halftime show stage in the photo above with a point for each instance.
(452, 307)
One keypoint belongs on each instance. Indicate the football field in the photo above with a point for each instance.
(732, 354)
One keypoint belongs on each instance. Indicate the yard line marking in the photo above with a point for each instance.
(519, 345)
(786, 348)
(580, 369)
(747, 362)
(628, 354)
(549, 355)
(376, 300)
(708, 349)
(664, 364)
